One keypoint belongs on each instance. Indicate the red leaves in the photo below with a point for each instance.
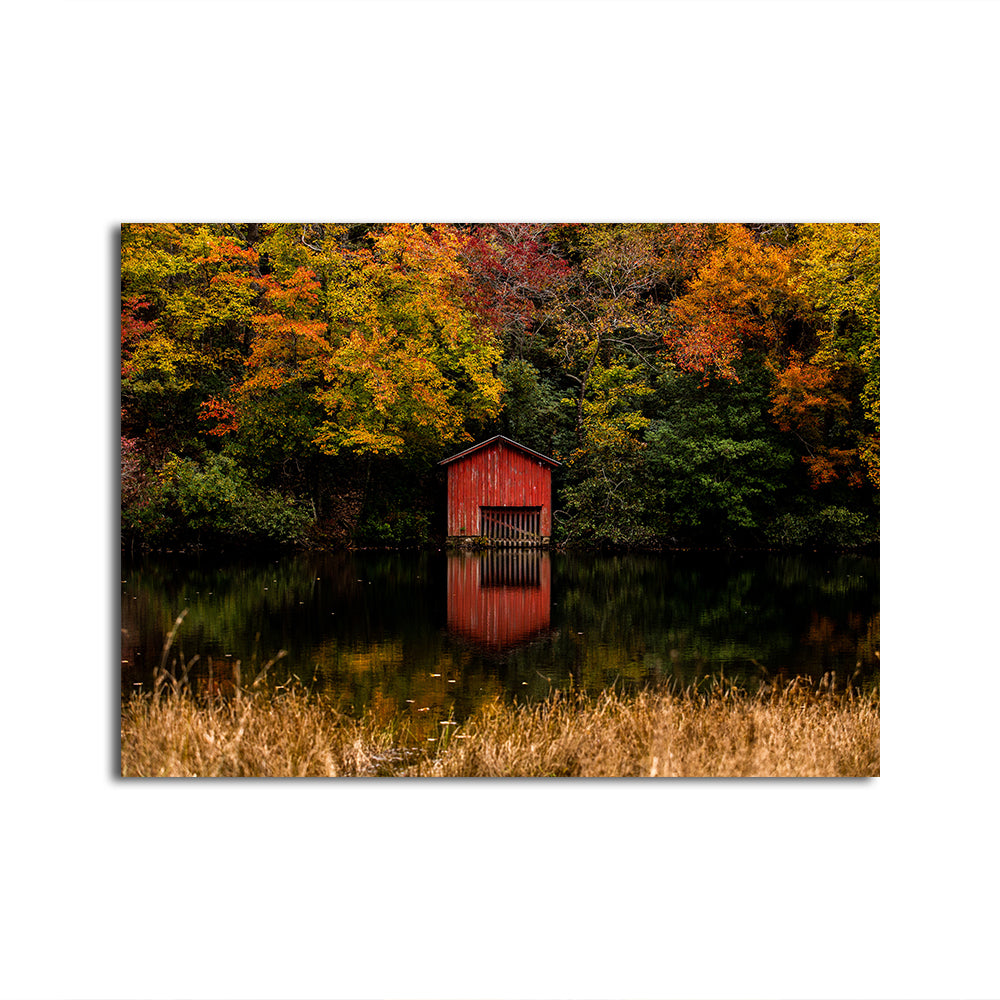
(220, 411)
(512, 272)
(132, 326)
(133, 329)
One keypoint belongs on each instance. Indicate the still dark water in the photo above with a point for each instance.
(440, 633)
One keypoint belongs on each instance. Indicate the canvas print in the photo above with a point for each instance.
(500, 499)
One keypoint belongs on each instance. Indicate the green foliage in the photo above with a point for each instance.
(276, 427)
(602, 501)
(400, 528)
(828, 527)
(714, 465)
(604, 514)
(210, 501)
(701, 384)
(532, 412)
(403, 502)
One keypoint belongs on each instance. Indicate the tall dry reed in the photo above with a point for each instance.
(791, 731)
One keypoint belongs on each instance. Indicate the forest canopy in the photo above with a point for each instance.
(702, 384)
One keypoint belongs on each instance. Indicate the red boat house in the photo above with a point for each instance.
(499, 493)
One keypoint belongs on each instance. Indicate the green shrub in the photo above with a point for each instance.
(211, 500)
(835, 527)
(396, 528)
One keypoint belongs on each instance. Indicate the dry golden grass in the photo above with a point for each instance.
(794, 731)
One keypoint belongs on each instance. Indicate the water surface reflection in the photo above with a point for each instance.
(499, 599)
(435, 634)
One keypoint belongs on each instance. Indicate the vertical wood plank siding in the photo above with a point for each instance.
(498, 476)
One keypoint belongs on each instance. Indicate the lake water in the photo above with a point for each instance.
(438, 633)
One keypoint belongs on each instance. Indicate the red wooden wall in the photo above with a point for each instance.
(500, 474)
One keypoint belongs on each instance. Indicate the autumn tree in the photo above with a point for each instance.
(195, 289)
(517, 283)
(361, 352)
(609, 349)
(515, 280)
(191, 298)
(408, 362)
(741, 299)
(602, 499)
(797, 306)
(700, 382)
(839, 266)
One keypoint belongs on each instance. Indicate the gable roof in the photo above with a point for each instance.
(496, 440)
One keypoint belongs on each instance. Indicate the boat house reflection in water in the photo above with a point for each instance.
(499, 598)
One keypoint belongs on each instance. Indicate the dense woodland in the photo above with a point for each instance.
(702, 384)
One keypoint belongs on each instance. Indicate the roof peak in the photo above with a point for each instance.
(496, 439)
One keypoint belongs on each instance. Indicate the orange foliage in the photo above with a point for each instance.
(805, 403)
(742, 294)
(290, 332)
(220, 411)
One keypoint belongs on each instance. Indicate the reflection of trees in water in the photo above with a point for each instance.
(248, 610)
(688, 615)
(370, 628)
